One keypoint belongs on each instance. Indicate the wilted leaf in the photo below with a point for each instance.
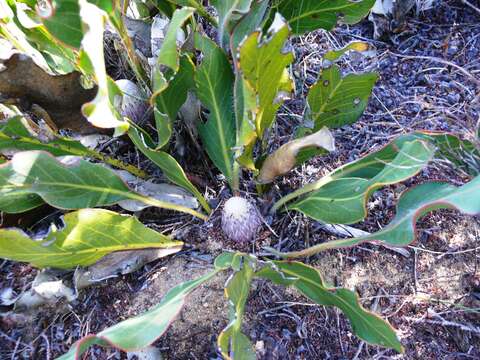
(284, 158)
(343, 200)
(214, 86)
(88, 235)
(163, 192)
(412, 206)
(309, 282)
(170, 167)
(140, 331)
(100, 111)
(321, 14)
(46, 288)
(121, 262)
(73, 186)
(232, 342)
(335, 101)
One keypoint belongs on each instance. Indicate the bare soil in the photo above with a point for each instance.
(431, 296)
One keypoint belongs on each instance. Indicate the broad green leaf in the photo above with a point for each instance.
(140, 331)
(264, 86)
(249, 23)
(170, 167)
(73, 186)
(372, 164)
(62, 19)
(214, 86)
(87, 236)
(412, 206)
(309, 15)
(343, 200)
(229, 12)
(263, 64)
(16, 134)
(232, 342)
(169, 52)
(306, 279)
(169, 98)
(335, 101)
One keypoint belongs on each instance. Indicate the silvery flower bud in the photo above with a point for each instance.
(240, 219)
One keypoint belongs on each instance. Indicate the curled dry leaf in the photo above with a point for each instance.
(47, 288)
(122, 262)
(60, 96)
(284, 158)
(163, 192)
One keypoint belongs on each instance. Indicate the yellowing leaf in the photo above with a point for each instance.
(88, 235)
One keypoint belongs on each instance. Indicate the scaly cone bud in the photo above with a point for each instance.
(240, 219)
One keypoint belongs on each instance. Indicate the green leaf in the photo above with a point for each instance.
(309, 15)
(169, 98)
(74, 186)
(263, 65)
(197, 5)
(214, 85)
(169, 52)
(229, 12)
(170, 167)
(62, 19)
(232, 342)
(264, 86)
(306, 279)
(140, 331)
(250, 22)
(412, 206)
(15, 134)
(87, 236)
(343, 200)
(335, 101)
(372, 164)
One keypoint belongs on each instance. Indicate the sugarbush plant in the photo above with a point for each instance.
(241, 75)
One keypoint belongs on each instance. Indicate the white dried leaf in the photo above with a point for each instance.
(163, 192)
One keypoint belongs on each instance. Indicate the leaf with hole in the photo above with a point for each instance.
(87, 236)
(335, 101)
(309, 15)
